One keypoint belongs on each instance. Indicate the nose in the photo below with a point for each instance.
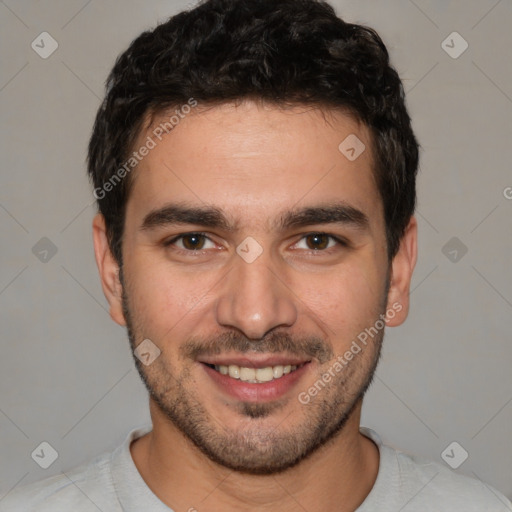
(254, 299)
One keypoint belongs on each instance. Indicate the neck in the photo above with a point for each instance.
(338, 476)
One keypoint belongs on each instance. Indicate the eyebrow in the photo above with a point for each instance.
(212, 217)
(338, 213)
(209, 216)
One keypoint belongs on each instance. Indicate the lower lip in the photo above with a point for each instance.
(251, 392)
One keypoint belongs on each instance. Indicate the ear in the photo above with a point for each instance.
(402, 267)
(108, 269)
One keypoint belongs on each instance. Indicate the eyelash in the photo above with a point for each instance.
(199, 252)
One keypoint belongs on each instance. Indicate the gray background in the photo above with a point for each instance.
(66, 373)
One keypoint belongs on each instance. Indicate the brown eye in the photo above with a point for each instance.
(190, 242)
(317, 241)
(193, 242)
(320, 242)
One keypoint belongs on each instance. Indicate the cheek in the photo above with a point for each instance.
(163, 299)
(346, 300)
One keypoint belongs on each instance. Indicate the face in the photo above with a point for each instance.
(254, 257)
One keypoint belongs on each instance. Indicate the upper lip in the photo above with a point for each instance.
(254, 361)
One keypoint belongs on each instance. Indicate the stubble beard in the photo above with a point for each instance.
(258, 448)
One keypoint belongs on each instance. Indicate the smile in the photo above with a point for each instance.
(255, 375)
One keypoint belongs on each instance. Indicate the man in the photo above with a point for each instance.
(255, 166)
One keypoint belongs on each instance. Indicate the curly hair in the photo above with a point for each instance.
(284, 52)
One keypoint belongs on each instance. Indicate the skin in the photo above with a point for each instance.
(253, 162)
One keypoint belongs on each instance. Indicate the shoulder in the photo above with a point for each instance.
(412, 483)
(85, 488)
(432, 483)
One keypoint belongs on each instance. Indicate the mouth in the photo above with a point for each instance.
(255, 375)
(256, 380)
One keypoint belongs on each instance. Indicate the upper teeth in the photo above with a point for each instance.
(255, 375)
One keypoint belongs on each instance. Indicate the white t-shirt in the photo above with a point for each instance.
(111, 483)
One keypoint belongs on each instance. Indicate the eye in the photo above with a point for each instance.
(319, 242)
(191, 242)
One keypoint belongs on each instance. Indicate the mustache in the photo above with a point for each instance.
(309, 347)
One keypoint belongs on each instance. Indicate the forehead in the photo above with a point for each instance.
(255, 160)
